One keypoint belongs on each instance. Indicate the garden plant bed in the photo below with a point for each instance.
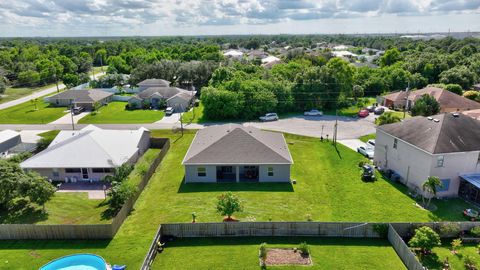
(286, 256)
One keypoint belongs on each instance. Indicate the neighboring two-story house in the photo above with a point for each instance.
(445, 145)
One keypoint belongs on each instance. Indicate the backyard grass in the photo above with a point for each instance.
(49, 135)
(115, 113)
(365, 138)
(242, 253)
(25, 113)
(328, 189)
(63, 208)
(435, 260)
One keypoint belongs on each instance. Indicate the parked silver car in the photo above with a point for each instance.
(366, 151)
(313, 113)
(269, 117)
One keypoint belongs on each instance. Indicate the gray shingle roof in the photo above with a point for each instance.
(82, 96)
(154, 83)
(236, 144)
(450, 134)
(166, 93)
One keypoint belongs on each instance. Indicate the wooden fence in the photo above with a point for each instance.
(152, 251)
(85, 231)
(403, 251)
(242, 229)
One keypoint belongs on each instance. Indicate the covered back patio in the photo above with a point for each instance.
(237, 173)
(470, 187)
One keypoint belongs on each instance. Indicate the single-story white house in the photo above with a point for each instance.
(88, 154)
(8, 140)
(234, 153)
(445, 145)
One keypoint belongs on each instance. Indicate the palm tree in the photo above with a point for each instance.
(388, 118)
(430, 186)
(34, 102)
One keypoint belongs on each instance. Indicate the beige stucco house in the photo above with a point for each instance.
(234, 153)
(445, 145)
(88, 154)
(89, 99)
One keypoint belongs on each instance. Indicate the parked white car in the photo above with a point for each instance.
(371, 143)
(366, 151)
(169, 111)
(269, 117)
(313, 113)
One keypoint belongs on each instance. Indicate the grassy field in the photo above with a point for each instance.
(328, 189)
(26, 113)
(115, 113)
(353, 110)
(242, 253)
(435, 261)
(365, 138)
(195, 115)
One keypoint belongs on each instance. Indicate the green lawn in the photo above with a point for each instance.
(49, 135)
(13, 93)
(365, 138)
(115, 113)
(242, 253)
(328, 189)
(26, 113)
(354, 109)
(195, 115)
(435, 260)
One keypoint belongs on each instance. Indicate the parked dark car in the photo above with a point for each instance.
(78, 110)
(379, 110)
(368, 173)
(371, 108)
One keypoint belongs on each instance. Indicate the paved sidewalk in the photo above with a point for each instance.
(172, 119)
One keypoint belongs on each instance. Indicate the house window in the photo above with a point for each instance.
(201, 171)
(395, 142)
(445, 185)
(72, 170)
(440, 160)
(101, 170)
(270, 171)
(55, 173)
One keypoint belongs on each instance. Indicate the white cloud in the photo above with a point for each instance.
(129, 16)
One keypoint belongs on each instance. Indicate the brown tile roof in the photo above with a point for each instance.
(445, 98)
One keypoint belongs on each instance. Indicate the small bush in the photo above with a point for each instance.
(263, 252)
(475, 231)
(93, 113)
(456, 245)
(470, 263)
(448, 229)
(381, 229)
(304, 248)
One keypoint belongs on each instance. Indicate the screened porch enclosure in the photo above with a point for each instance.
(237, 173)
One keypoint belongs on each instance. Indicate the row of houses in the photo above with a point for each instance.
(154, 92)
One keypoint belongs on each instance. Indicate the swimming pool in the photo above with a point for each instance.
(77, 262)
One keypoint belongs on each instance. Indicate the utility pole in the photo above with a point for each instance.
(336, 126)
(406, 100)
(71, 114)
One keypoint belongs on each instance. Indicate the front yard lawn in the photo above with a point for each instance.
(242, 253)
(115, 113)
(12, 93)
(328, 189)
(365, 138)
(25, 113)
(435, 260)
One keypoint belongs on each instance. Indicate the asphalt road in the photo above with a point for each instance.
(348, 128)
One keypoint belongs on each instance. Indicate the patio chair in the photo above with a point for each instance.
(74, 179)
(67, 179)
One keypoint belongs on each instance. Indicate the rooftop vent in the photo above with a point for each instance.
(455, 114)
(436, 120)
(430, 118)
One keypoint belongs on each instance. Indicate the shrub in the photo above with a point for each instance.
(263, 252)
(448, 229)
(473, 95)
(425, 239)
(454, 88)
(475, 231)
(381, 229)
(456, 245)
(470, 263)
(43, 143)
(228, 203)
(304, 248)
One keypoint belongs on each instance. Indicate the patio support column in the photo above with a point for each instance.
(237, 173)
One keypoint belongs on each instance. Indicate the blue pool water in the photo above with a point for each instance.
(77, 262)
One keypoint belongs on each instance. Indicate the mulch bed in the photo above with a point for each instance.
(281, 256)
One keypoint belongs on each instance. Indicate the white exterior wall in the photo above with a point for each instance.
(281, 173)
(415, 165)
(48, 173)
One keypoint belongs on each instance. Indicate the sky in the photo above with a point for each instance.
(23, 18)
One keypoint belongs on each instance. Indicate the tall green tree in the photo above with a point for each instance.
(390, 57)
(425, 238)
(228, 204)
(426, 106)
(430, 187)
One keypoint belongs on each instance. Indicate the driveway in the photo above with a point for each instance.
(172, 119)
(317, 126)
(67, 118)
(31, 136)
(352, 143)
